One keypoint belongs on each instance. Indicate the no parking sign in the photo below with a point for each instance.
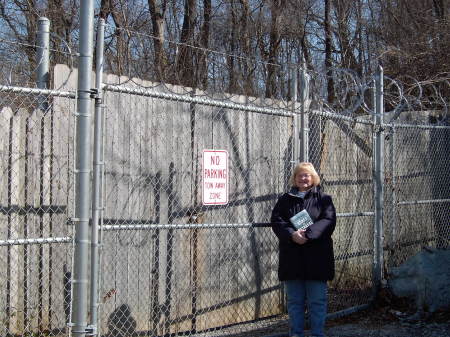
(215, 177)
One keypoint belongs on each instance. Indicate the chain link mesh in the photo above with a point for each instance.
(204, 268)
(418, 190)
(341, 150)
(218, 271)
(35, 201)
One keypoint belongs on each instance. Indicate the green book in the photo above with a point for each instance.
(301, 220)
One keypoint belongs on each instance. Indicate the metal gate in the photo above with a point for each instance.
(170, 264)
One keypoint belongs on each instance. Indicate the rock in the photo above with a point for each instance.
(424, 278)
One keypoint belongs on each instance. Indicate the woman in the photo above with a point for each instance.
(306, 259)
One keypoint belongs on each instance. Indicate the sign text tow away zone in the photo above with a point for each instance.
(215, 177)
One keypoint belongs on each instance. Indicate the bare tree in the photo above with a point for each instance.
(202, 69)
(171, 40)
(346, 11)
(415, 37)
(62, 17)
(328, 50)
(157, 10)
(19, 18)
(275, 42)
(247, 67)
(185, 65)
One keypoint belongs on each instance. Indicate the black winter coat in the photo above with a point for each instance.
(313, 260)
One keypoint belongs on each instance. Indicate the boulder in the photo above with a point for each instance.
(424, 278)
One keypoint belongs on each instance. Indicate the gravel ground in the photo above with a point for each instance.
(369, 323)
(386, 322)
(378, 321)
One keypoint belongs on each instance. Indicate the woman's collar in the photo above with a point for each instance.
(295, 192)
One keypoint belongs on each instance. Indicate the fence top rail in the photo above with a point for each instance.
(421, 202)
(37, 92)
(144, 226)
(36, 241)
(177, 226)
(279, 111)
(200, 100)
(413, 126)
(335, 115)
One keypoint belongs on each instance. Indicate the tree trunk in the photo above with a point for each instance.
(157, 13)
(204, 43)
(185, 64)
(328, 51)
(232, 85)
(274, 48)
(246, 45)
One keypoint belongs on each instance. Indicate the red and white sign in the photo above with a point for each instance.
(215, 177)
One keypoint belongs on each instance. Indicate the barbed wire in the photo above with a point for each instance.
(14, 63)
(200, 49)
(188, 69)
(349, 94)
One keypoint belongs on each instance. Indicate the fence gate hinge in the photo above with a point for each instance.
(91, 330)
(94, 92)
(379, 128)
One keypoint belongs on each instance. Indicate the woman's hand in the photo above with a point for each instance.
(299, 237)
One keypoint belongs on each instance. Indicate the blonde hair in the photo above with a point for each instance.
(308, 168)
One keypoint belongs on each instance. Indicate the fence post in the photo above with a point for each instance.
(297, 128)
(393, 210)
(42, 79)
(304, 122)
(378, 178)
(42, 53)
(82, 172)
(98, 165)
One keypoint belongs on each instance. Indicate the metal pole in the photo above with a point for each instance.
(393, 194)
(42, 59)
(378, 177)
(304, 123)
(42, 53)
(97, 198)
(82, 172)
(296, 128)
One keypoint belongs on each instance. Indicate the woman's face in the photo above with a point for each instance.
(303, 181)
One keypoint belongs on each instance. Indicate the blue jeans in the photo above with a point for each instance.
(312, 293)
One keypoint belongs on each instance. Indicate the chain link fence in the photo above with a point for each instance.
(342, 152)
(35, 201)
(170, 265)
(417, 189)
